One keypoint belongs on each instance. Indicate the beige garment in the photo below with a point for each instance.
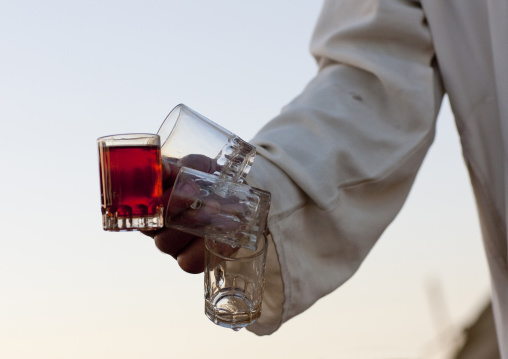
(340, 159)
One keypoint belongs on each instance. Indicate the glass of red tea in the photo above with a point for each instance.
(130, 171)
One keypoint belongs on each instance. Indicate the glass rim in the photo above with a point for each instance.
(256, 254)
(127, 136)
(174, 116)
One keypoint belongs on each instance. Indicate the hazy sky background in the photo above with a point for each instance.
(72, 71)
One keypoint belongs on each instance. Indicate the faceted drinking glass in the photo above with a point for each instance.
(234, 283)
(131, 182)
(185, 132)
(208, 206)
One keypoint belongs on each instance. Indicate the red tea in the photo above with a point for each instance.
(131, 185)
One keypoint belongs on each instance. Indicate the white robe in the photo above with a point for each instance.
(340, 159)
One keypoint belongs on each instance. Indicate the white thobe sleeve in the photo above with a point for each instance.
(340, 159)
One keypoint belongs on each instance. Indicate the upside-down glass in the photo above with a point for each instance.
(185, 132)
(234, 283)
(208, 206)
(131, 182)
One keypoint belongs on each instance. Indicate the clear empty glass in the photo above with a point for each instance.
(185, 132)
(208, 206)
(234, 283)
(131, 182)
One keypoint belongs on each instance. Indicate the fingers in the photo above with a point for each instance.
(192, 258)
(183, 196)
(169, 172)
(223, 249)
(172, 241)
(171, 166)
(208, 213)
(200, 163)
(186, 248)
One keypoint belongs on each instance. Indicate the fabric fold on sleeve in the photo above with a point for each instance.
(340, 159)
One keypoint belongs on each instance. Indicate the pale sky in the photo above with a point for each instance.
(73, 71)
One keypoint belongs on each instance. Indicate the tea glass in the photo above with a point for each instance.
(130, 173)
(234, 283)
(185, 132)
(207, 206)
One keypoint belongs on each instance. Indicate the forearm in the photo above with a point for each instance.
(341, 158)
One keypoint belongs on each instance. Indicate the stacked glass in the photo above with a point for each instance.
(208, 199)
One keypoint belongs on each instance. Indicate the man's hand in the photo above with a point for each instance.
(187, 249)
